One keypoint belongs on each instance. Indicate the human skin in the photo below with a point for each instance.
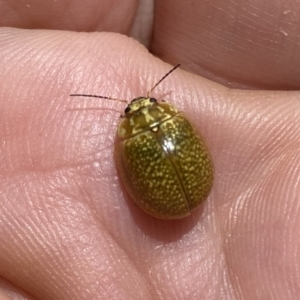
(68, 230)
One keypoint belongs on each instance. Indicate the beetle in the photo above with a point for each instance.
(160, 157)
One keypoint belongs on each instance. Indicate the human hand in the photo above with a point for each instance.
(68, 230)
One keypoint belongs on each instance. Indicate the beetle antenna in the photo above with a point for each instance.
(97, 96)
(151, 90)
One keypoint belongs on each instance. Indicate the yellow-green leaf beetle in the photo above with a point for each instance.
(161, 159)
